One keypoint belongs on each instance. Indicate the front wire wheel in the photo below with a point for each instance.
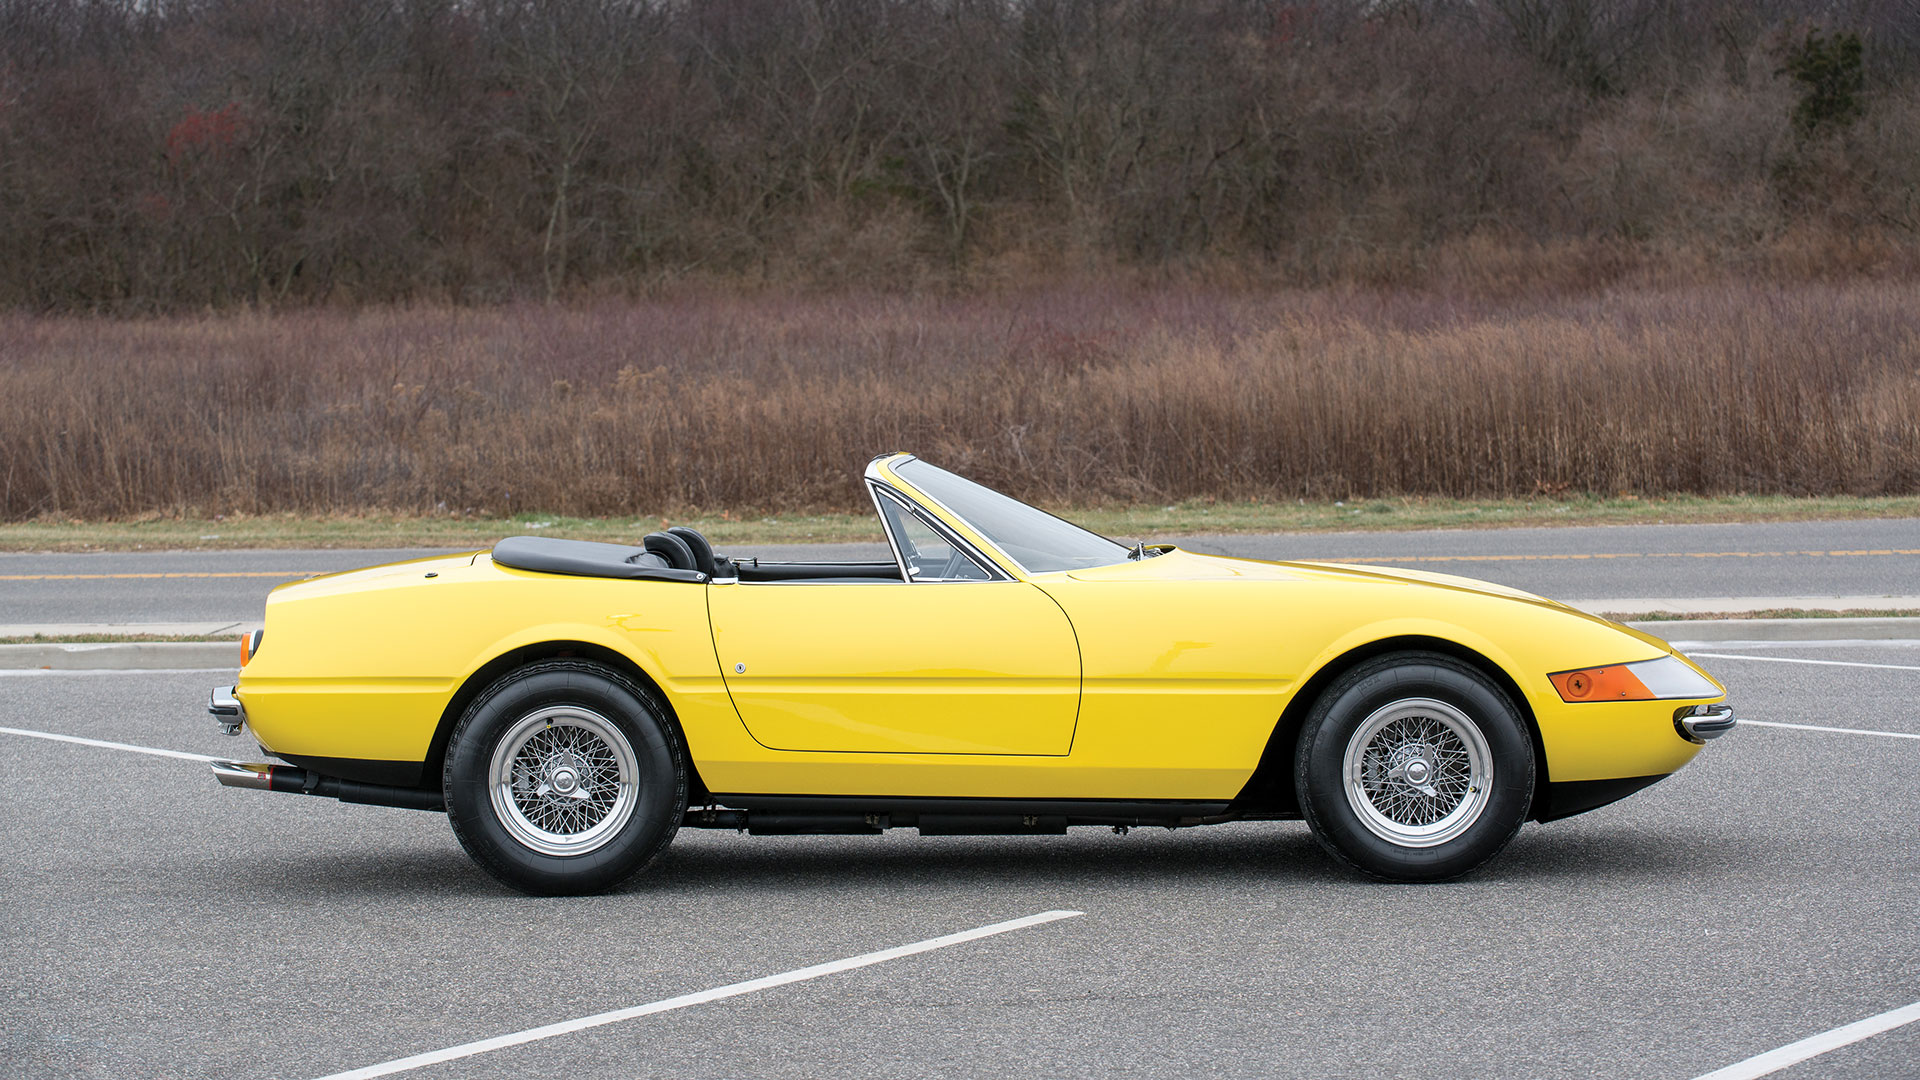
(1414, 767)
(1417, 772)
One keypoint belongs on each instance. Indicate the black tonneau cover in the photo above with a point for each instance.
(585, 558)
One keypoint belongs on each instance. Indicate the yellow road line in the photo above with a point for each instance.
(1618, 555)
(1357, 559)
(285, 574)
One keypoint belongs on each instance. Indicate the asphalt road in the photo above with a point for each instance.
(159, 925)
(1829, 558)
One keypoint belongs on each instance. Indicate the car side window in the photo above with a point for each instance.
(929, 556)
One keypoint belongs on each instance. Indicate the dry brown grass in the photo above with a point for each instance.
(1071, 395)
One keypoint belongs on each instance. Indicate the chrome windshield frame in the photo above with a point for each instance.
(1003, 558)
(878, 489)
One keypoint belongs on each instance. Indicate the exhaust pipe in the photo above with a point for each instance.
(288, 778)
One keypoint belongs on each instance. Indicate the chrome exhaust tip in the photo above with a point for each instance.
(291, 778)
(256, 775)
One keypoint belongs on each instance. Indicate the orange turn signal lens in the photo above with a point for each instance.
(1611, 683)
(250, 644)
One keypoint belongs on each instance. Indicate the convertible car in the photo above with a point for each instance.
(570, 705)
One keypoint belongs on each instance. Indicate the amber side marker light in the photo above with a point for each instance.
(249, 645)
(1645, 680)
(1614, 683)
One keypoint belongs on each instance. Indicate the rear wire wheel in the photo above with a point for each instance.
(562, 780)
(565, 778)
(1414, 767)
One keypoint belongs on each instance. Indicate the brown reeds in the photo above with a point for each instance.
(1071, 396)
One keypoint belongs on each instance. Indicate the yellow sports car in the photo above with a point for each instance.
(570, 705)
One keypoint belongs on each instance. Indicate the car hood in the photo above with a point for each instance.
(1174, 564)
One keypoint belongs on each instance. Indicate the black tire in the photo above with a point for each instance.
(1415, 709)
(565, 734)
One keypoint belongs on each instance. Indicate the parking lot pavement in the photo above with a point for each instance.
(1872, 561)
(161, 925)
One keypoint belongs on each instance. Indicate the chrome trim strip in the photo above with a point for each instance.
(899, 560)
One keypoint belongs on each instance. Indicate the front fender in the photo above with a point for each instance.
(1527, 641)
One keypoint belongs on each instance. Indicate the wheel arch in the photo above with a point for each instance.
(520, 656)
(1270, 789)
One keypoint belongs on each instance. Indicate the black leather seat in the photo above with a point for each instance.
(703, 557)
(677, 552)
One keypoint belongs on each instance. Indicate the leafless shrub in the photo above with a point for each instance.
(291, 152)
(1072, 395)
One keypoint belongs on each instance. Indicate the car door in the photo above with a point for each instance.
(955, 657)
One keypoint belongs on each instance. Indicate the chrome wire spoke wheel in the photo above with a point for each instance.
(563, 780)
(1418, 772)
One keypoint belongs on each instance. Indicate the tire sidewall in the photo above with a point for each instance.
(660, 780)
(1320, 768)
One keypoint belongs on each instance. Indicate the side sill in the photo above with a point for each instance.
(401, 774)
(906, 810)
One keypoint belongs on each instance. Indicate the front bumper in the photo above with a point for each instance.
(227, 709)
(1698, 723)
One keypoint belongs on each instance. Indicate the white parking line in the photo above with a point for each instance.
(766, 982)
(103, 744)
(1797, 660)
(1774, 1060)
(1837, 730)
(1823, 643)
(39, 672)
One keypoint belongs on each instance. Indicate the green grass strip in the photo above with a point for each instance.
(1128, 522)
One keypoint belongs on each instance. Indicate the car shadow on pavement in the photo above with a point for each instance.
(1283, 855)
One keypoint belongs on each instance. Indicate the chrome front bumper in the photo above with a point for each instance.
(1702, 722)
(227, 709)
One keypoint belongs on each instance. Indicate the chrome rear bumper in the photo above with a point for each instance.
(227, 709)
(1703, 722)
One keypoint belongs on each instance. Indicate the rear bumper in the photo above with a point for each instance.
(226, 709)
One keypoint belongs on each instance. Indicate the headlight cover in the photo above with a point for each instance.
(1647, 680)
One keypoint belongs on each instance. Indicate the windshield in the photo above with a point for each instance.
(1035, 539)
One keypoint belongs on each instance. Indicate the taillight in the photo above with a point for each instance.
(250, 645)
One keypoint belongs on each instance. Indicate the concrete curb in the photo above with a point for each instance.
(176, 655)
(121, 656)
(1783, 629)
